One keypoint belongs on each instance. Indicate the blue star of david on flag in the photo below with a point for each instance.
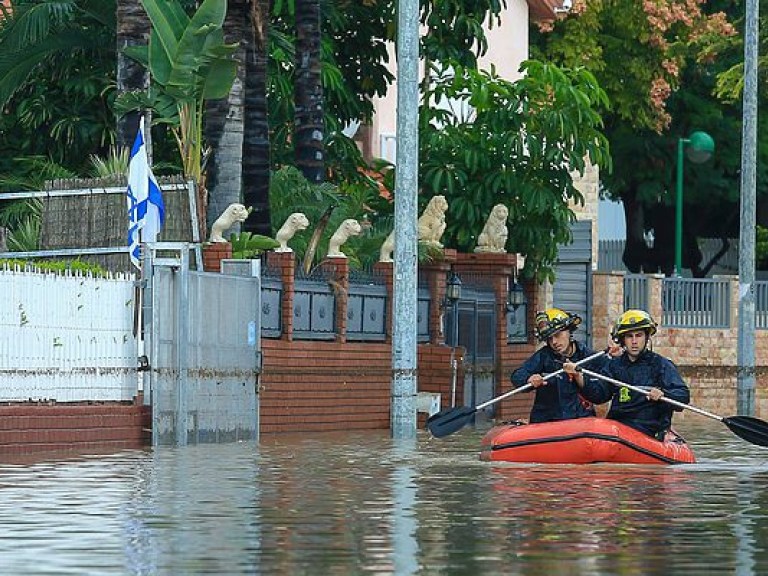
(146, 211)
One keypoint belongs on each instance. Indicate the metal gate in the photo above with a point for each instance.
(203, 350)
(573, 278)
(477, 334)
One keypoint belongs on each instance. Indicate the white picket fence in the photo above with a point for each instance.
(66, 337)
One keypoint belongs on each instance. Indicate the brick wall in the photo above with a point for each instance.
(706, 358)
(311, 386)
(27, 428)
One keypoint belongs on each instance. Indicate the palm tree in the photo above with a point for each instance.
(224, 121)
(308, 93)
(256, 149)
(132, 30)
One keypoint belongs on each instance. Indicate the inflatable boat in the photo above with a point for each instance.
(581, 441)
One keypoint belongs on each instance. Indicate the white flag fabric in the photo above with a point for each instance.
(146, 211)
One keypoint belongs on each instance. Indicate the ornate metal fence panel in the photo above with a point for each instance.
(271, 304)
(314, 308)
(366, 309)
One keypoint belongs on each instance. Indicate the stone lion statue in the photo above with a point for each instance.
(295, 222)
(350, 227)
(431, 223)
(493, 238)
(387, 248)
(234, 214)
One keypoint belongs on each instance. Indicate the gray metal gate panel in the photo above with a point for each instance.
(477, 329)
(204, 339)
(573, 278)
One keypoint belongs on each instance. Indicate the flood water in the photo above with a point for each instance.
(365, 504)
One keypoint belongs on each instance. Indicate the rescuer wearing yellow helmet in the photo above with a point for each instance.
(557, 398)
(640, 366)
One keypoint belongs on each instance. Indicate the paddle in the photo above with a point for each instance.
(750, 429)
(450, 420)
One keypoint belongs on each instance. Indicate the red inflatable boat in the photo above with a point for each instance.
(581, 441)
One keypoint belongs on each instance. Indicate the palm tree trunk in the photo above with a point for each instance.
(132, 30)
(224, 123)
(256, 150)
(308, 93)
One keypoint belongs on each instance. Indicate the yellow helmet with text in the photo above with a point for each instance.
(553, 320)
(632, 320)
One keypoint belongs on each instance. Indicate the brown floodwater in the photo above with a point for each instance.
(362, 503)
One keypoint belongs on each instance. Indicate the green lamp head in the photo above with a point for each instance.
(700, 147)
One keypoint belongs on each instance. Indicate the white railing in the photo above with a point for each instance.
(66, 337)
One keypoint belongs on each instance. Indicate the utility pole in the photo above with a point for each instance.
(404, 313)
(745, 370)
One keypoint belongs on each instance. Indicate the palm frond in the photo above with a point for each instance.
(26, 237)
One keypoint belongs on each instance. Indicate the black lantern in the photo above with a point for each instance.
(453, 290)
(515, 296)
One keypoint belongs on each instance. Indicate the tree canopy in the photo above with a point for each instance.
(659, 63)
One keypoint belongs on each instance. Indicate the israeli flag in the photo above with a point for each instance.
(146, 211)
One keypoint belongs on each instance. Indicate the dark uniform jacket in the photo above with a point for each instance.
(632, 408)
(559, 398)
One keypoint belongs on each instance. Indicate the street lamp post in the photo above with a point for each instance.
(701, 146)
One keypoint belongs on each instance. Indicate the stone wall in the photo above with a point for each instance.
(706, 358)
(589, 186)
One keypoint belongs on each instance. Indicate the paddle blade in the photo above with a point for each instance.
(750, 429)
(449, 420)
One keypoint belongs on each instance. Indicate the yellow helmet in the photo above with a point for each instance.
(633, 320)
(553, 320)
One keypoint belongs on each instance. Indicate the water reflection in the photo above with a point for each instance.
(365, 504)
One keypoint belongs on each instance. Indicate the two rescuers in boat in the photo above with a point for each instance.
(571, 394)
(559, 399)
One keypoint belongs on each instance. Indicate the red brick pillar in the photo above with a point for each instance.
(214, 253)
(286, 263)
(385, 269)
(338, 270)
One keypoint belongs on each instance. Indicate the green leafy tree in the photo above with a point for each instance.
(658, 62)
(515, 144)
(56, 66)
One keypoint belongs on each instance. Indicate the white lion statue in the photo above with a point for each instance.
(431, 223)
(387, 248)
(295, 222)
(350, 227)
(234, 214)
(493, 238)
